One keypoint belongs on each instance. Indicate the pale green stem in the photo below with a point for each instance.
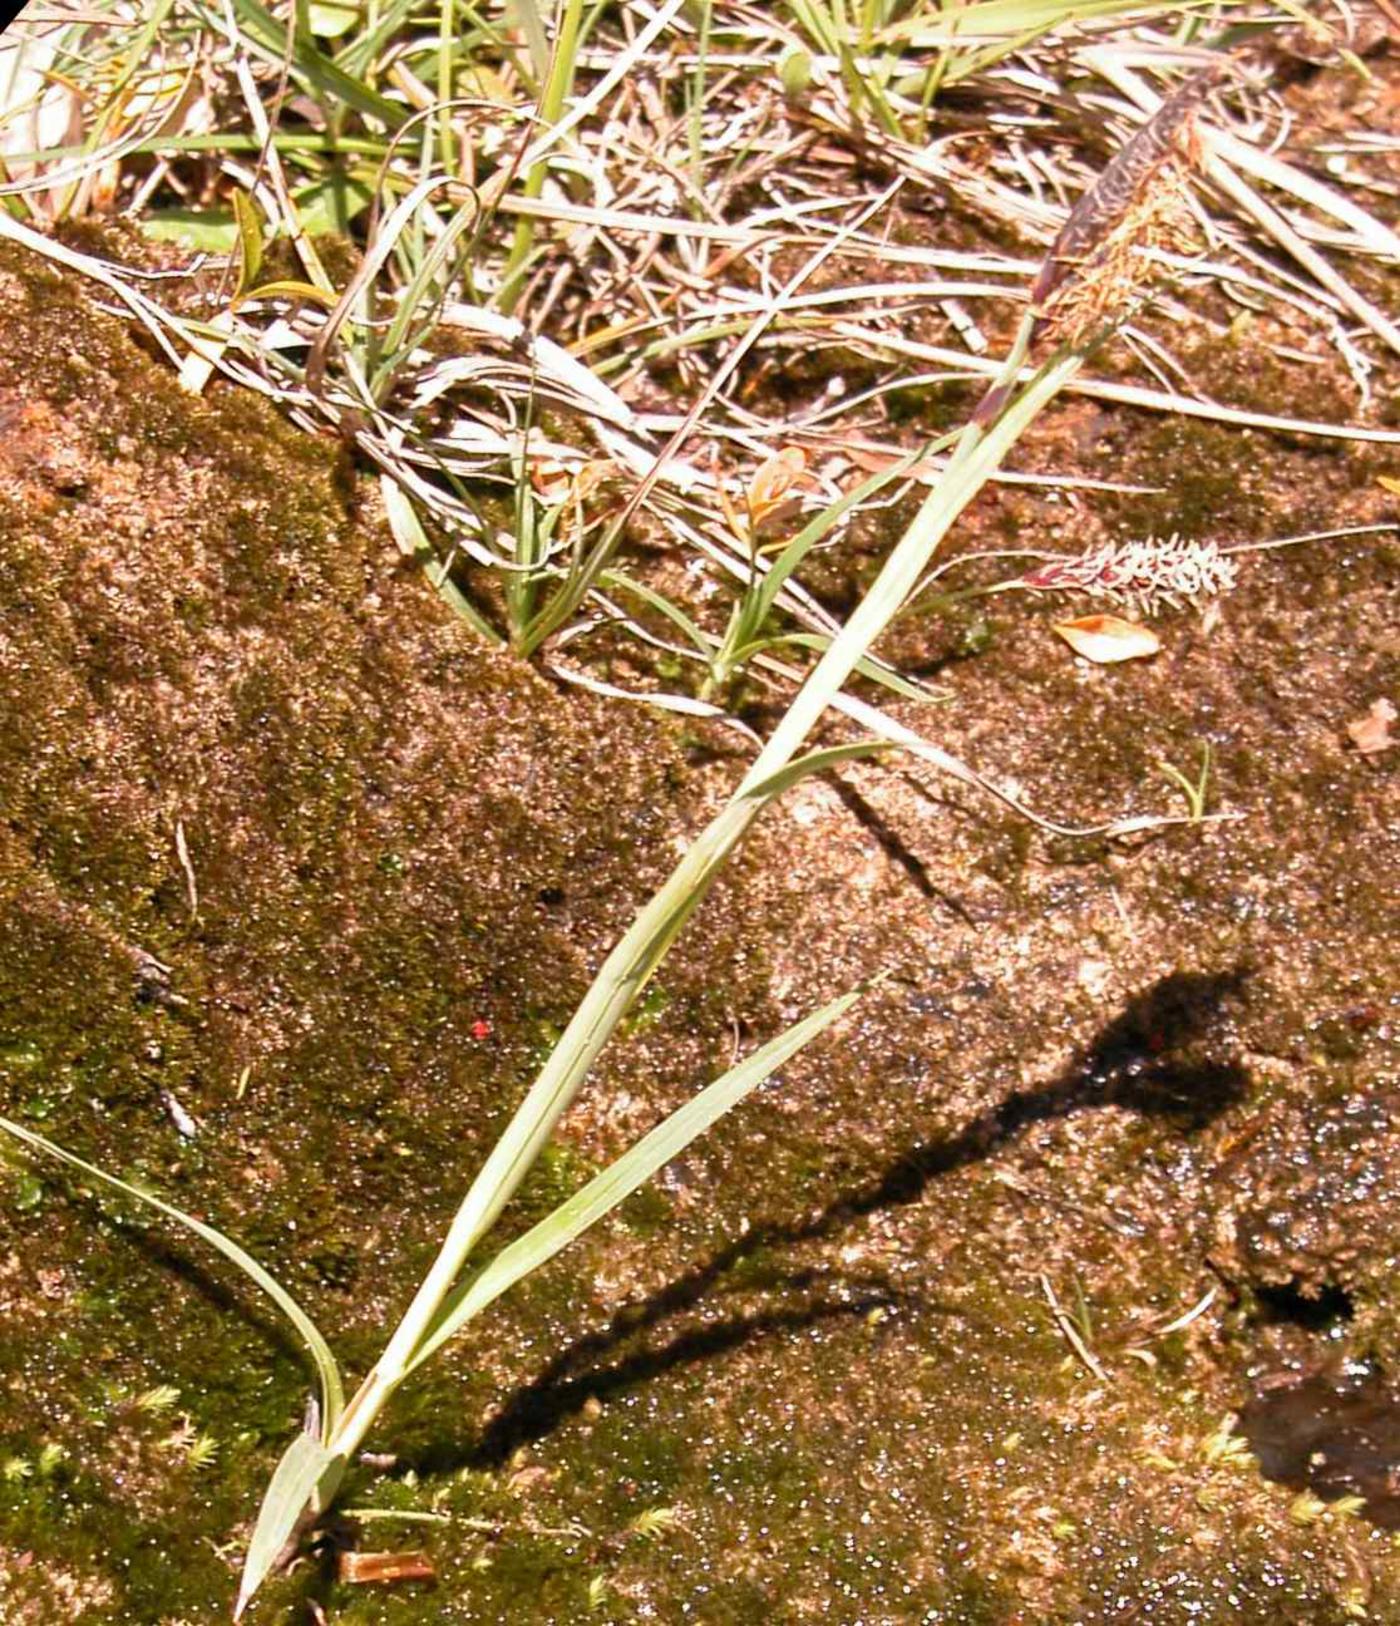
(551, 108)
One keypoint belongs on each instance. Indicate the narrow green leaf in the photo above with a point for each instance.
(332, 1395)
(419, 302)
(867, 668)
(795, 551)
(250, 240)
(413, 542)
(1013, 19)
(814, 762)
(304, 1465)
(330, 82)
(662, 605)
(620, 1179)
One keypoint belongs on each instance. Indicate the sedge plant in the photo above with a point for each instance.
(463, 1279)
(311, 1471)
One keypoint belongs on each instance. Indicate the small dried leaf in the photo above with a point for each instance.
(1371, 733)
(1105, 639)
(377, 1569)
(874, 460)
(330, 20)
(1388, 482)
(551, 479)
(592, 475)
(773, 481)
(557, 481)
(148, 92)
(199, 366)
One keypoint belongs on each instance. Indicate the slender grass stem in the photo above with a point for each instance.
(558, 84)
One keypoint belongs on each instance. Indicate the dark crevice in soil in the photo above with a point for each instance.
(895, 848)
(1294, 1305)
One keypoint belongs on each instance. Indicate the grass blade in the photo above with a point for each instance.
(821, 641)
(1016, 21)
(250, 240)
(663, 606)
(305, 1465)
(332, 1394)
(620, 1179)
(333, 84)
(832, 756)
(414, 544)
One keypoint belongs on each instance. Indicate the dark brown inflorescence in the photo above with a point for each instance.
(1137, 204)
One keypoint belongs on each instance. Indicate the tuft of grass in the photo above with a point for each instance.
(465, 157)
(1195, 791)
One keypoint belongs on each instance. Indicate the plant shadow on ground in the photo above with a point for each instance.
(1146, 1060)
(224, 1293)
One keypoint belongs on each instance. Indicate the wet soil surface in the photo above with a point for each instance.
(1057, 1285)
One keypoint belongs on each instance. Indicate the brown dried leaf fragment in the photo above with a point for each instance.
(558, 482)
(379, 1569)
